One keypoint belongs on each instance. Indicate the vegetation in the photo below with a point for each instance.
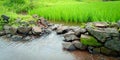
(62, 10)
(90, 41)
(80, 11)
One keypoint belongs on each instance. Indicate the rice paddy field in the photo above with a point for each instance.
(63, 10)
(75, 11)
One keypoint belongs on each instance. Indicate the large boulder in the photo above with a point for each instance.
(24, 30)
(36, 30)
(68, 46)
(79, 45)
(102, 34)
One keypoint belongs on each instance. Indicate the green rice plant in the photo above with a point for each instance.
(79, 11)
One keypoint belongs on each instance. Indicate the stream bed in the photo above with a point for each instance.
(44, 48)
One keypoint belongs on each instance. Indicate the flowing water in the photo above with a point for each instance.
(45, 48)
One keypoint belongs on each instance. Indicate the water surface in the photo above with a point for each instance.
(45, 48)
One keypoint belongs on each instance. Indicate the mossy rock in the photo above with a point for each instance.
(90, 41)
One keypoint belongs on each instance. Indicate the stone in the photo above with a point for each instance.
(102, 34)
(18, 20)
(24, 30)
(36, 30)
(107, 51)
(118, 23)
(35, 16)
(42, 22)
(2, 33)
(7, 29)
(30, 33)
(100, 24)
(80, 31)
(47, 31)
(90, 49)
(54, 27)
(62, 29)
(70, 37)
(16, 38)
(13, 31)
(113, 44)
(75, 28)
(27, 38)
(5, 18)
(24, 24)
(69, 32)
(89, 41)
(32, 22)
(9, 35)
(96, 50)
(69, 46)
(79, 45)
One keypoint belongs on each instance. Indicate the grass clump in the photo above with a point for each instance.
(90, 42)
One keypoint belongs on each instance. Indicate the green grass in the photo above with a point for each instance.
(79, 11)
(90, 42)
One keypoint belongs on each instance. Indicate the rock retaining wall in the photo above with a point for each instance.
(96, 37)
(105, 38)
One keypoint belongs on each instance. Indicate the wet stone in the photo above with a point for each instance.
(68, 46)
(79, 45)
(16, 38)
(70, 37)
